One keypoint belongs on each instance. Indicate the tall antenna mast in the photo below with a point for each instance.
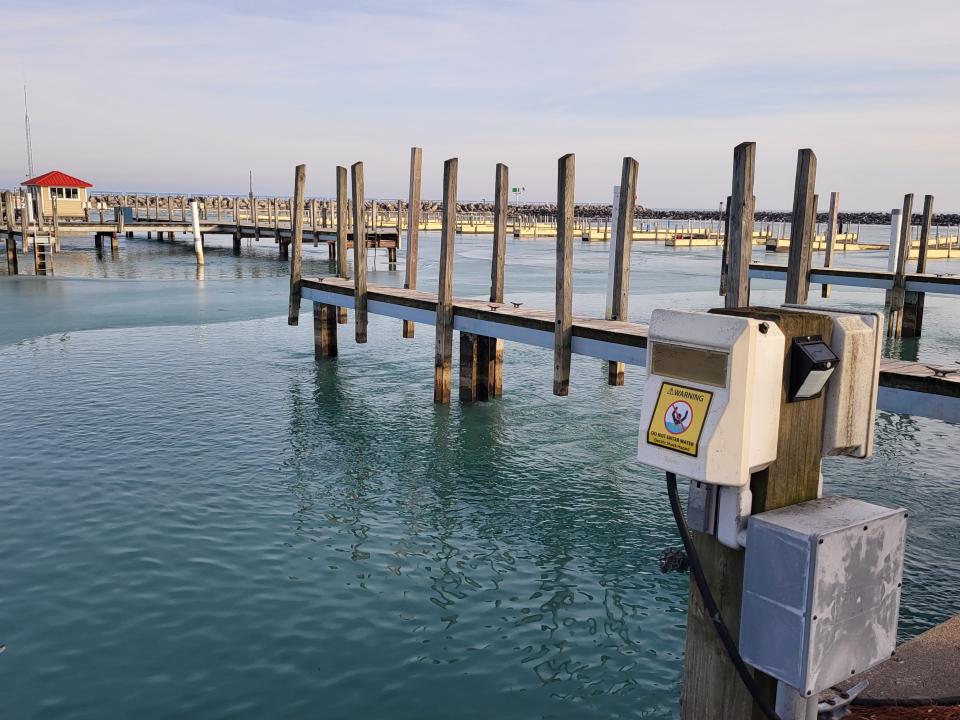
(26, 122)
(251, 183)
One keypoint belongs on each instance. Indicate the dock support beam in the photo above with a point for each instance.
(563, 324)
(359, 254)
(413, 230)
(443, 356)
(801, 228)
(913, 301)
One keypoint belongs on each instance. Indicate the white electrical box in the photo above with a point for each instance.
(850, 398)
(821, 590)
(711, 403)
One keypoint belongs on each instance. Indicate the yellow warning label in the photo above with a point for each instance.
(678, 418)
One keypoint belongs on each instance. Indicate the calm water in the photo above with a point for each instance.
(199, 521)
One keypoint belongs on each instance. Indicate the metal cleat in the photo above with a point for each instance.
(838, 706)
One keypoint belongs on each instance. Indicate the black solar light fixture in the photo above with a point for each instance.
(812, 362)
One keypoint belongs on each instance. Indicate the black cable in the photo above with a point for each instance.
(711, 605)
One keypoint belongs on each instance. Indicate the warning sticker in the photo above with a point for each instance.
(678, 418)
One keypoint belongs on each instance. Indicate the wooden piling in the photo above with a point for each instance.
(442, 370)
(563, 324)
(56, 221)
(623, 242)
(912, 324)
(740, 211)
(413, 230)
(324, 330)
(724, 256)
(896, 295)
(831, 238)
(711, 687)
(801, 228)
(25, 223)
(359, 254)
(13, 263)
(197, 236)
(341, 228)
(491, 349)
(296, 243)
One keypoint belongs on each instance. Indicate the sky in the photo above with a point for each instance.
(191, 96)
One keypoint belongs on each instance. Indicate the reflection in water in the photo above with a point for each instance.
(505, 541)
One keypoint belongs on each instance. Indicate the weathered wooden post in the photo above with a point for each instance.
(255, 216)
(563, 324)
(413, 230)
(620, 261)
(341, 244)
(724, 255)
(831, 238)
(491, 349)
(443, 356)
(912, 324)
(25, 223)
(13, 265)
(481, 356)
(801, 229)
(740, 226)
(296, 243)
(197, 236)
(56, 221)
(359, 254)
(895, 296)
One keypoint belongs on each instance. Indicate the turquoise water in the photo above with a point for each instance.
(200, 521)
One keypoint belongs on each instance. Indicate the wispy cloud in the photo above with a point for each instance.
(190, 95)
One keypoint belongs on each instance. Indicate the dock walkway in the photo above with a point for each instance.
(905, 387)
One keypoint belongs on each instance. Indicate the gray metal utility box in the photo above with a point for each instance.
(821, 590)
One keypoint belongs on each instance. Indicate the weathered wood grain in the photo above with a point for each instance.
(563, 325)
(443, 357)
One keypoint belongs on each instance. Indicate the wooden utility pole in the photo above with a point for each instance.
(296, 242)
(623, 243)
(801, 228)
(563, 325)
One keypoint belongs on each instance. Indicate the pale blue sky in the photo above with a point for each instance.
(189, 96)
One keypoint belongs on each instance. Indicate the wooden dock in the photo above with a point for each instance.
(905, 387)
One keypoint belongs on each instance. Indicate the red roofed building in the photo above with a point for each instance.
(71, 194)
